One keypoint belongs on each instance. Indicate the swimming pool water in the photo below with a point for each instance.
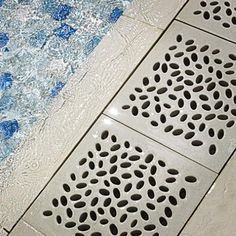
(42, 44)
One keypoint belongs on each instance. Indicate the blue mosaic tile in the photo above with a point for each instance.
(49, 6)
(38, 39)
(116, 14)
(64, 31)
(3, 39)
(6, 103)
(42, 44)
(1, 2)
(8, 128)
(89, 47)
(61, 12)
(58, 87)
(5, 81)
(24, 2)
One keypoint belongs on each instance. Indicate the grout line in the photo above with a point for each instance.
(214, 182)
(161, 144)
(184, 5)
(214, 34)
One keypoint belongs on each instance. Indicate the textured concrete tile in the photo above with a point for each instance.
(155, 12)
(217, 213)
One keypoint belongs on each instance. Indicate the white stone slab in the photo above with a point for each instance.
(155, 12)
(24, 175)
(217, 213)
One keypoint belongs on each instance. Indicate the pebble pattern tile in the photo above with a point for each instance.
(218, 17)
(42, 45)
(184, 95)
(118, 182)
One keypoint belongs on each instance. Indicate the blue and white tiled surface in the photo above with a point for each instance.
(42, 44)
(31, 168)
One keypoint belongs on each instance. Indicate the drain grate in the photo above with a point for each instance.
(218, 17)
(118, 182)
(183, 95)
